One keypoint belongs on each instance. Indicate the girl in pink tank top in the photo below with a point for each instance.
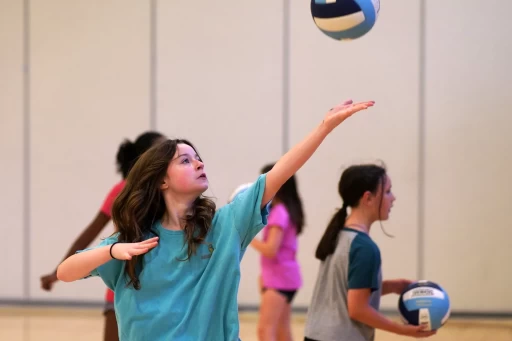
(280, 277)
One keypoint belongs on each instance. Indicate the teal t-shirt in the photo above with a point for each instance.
(190, 300)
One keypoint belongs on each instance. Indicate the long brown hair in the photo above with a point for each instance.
(140, 204)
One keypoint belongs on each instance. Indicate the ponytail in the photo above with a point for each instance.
(328, 242)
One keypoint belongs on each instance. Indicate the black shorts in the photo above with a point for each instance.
(288, 294)
(308, 339)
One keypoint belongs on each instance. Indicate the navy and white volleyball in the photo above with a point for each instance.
(424, 303)
(345, 19)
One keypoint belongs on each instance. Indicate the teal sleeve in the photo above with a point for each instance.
(111, 271)
(364, 264)
(249, 218)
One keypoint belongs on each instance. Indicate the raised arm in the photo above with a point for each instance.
(296, 157)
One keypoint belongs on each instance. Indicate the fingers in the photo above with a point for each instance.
(142, 247)
(138, 251)
(47, 282)
(360, 106)
(366, 104)
(146, 245)
(342, 105)
(422, 332)
(126, 251)
(427, 332)
(418, 331)
(353, 107)
(150, 240)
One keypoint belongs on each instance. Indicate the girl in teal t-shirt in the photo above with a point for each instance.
(174, 263)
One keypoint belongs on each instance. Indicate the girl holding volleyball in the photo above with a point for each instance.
(175, 263)
(127, 154)
(349, 285)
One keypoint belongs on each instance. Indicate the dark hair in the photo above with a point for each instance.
(129, 152)
(288, 194)
(354, 182)
(140, 204)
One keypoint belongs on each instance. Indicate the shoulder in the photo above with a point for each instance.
(221, 213)
(247, 198)
(279, 216)
(223, 217)
(364, 263)
(363, 246)
(279, 209)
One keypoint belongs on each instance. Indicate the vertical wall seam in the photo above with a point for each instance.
(421, 143)
(26, 149)
(286, 78)
(153, 64)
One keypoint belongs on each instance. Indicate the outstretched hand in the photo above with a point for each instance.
(125, 251)
(343, 111)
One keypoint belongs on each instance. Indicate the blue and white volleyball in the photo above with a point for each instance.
(240, 189)
(345, 19)
(424, 303)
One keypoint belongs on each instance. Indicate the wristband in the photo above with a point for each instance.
(111, 246)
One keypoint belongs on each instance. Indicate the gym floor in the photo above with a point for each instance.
(59, 324)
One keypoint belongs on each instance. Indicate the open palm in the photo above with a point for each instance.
(125, 251)
(343, 111)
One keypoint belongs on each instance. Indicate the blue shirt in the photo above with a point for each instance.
(195, 299)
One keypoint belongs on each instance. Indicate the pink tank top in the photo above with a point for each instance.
(282, 271)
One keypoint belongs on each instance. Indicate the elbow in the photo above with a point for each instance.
(271, 254)
(62, 275)
(355, 312)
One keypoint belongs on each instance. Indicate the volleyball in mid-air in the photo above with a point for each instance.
(424, 303)
(345, 19)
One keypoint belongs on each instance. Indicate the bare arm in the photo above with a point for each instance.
(360, 310)
(295, 158)
(85, 239)
(81, 264)
(269, 247)
(89, 234)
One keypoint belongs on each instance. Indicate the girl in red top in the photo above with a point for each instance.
(126, 156)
